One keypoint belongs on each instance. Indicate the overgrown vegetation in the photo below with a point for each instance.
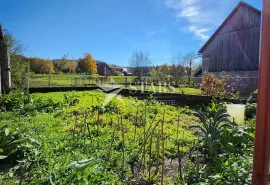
(72, 138)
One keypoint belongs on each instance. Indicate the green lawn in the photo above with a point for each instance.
(166, 89)
(60, 80)
(65, 80)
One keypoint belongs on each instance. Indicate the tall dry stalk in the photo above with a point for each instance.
(135, 125)
(84, 126)
(163, 149)
(111, 143)
(158, 152)
(98, 120)
(150, 154)
(197, 159)
(74, 127)
(123, 148)
(178, 149)
(88, 129)
(144, 138)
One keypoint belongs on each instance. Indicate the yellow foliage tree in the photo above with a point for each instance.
(164, 69)
(90, 63)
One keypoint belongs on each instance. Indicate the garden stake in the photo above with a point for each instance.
(178, 150)
(112, 140)
(123, 148)
(144, 137)
(158, 155)
(136, 122)
(150, 154)
(98, 130)
(197, 166)
(88, 129)
(85, 125)
(163, 150)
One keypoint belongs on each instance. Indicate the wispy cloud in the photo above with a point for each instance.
(202, 16)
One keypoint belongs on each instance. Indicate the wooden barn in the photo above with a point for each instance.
(103, 68)
(234, 46)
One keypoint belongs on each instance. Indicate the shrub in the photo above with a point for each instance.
(251, 110)
(217, 86)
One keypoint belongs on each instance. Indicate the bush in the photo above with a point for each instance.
(251, 110)
(253, 97)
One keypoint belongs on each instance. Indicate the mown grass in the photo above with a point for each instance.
(59, 80)
(166, 89)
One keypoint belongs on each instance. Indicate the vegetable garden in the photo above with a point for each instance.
(72, 138)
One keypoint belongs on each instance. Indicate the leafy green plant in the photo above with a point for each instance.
(210, 130)
(253, 97)
(250, 110)
(13, 145)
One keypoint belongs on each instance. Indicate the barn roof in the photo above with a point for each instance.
(240, 4)
(1, 33)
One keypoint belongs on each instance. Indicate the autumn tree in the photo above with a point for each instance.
(72, 66)
(41, 66)
(139, 59)
(88, 64)
(47, 66)
(164, 69)
(153, 71)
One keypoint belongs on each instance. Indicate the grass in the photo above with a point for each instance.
(73, 133)
(59, 80)
(164, 89)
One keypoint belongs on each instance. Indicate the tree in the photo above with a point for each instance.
(177, 69)
(15, 47)
(47, 66)
(88, 64)
(38, 65)
(164, 69)
(18, 64)
(153, 71)
(189, 61)
(62, 66)
(72, 66)
(139, 59)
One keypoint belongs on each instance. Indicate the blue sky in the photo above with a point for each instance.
(112, 29)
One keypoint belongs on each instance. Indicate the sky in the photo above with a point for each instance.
(111, 30)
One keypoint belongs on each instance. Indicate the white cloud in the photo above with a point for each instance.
(202, 16)
(199, 32)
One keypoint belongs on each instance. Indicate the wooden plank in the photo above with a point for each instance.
(260, 174)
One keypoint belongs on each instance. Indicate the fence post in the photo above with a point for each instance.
(49, 80)
(5, 68)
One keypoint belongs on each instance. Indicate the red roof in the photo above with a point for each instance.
(240, 4)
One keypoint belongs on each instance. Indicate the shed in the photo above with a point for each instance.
(234, 46)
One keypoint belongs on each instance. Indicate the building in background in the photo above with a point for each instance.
(234, 47)
(103, 68)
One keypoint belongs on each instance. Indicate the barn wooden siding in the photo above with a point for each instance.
(236, 45)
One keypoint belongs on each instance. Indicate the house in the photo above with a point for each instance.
(103, 68)
(234, 46)
(124, 71)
